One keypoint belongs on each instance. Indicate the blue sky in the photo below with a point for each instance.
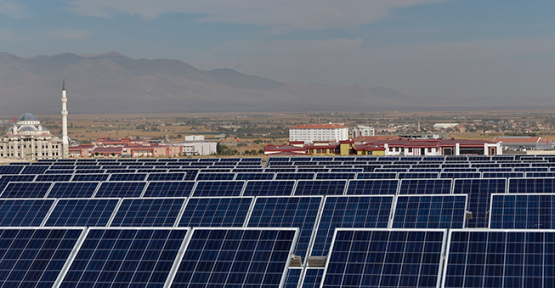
(437, 48)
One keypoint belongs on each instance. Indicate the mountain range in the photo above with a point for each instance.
(115, 83)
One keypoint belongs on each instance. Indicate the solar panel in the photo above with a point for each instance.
(5, 179)
(312, 278)
(479, 191)
(53, 177)
(215, 176)
(350, 212)
(313, 170)
(34, 169)
(538, 175)
(34, 257)
(128, 177)
(425, 186)
(120, 171)
(320, 187)
(235, 258)
(269, 188)
(252, 170)
(430, 211)
(390, 170)
(90, 177)
(293, 277)
(82, 212)
(436, 170)
(218, 188)
(490, 258)
(26, 189)
(531, 169)
(120, 189)
(502, 174)
(372, 187)
(417, 175)
(453, 175)
(28, 212)
(506, 169)
(531, 185)
(294, 176)
(216, 212)
(73, 189)
(336, 175)
(381, 175)
(385, 258)
(254, 176)
(275, 170)
(10, 169)
(148, 212)
(295, 212)
(343, 170)
(522, 211)
(124, 258)
(175, 176)
(90, 171)
(169, 189)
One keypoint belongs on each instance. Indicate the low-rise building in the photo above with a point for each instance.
(318, 132)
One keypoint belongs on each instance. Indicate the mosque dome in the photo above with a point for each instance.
(28, 129)
(27, 117)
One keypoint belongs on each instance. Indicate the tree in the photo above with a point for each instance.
(261, 151)
(113, 154)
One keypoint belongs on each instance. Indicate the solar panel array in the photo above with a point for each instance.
(293, 222)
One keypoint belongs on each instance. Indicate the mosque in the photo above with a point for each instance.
(30, 140)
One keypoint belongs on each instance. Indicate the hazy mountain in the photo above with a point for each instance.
(112, 83)
(388, 93)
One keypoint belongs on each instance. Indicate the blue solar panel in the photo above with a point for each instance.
(276, 170)
(73, 189)
(373, 187)
(215, 176)
(390, 170)
(479, 191)
(128, 177)
(26, 189)
(293, 277)
(90, 171)
(5, 179)
(312, 170)
(425, 186)
(294, 176)
(453, 175)
(385, 258)
(336, 175)
(28, 212)
(169, 189)
(517, 258)
(350, 212)
(320, 187)
(417, 175)
(148, 212)
(531, 185)
(174, 176)
(430, 211)
(496, 169)
(218, 188)
(522, 211)
(34, 257)
(312, 278)
(235, 258)
(120, 189)
(531, 169)
(82, 212)
(10, 169)
(381, 175)
(295, 212)
(53, 177)
(502, 174)
(254, 176)
(343, 170)
(34, 169)
(269, 188)
(430, 169)
(216, 212)
(537, 175)
(124, 258)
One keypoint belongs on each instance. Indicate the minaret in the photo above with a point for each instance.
(65, 139)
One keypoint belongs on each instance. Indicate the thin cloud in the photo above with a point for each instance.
(13, 9)
(70, 33)
(285, 14)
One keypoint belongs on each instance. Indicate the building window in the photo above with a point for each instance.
(396, 149)
(390, 149)
(410, 150)
(319, 151)
(429, 150)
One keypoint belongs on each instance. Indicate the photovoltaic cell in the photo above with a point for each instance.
(128, 177)
(26, 189)
(215, 176)
(120, 189)
(174, 176)
(425, 186)
(502, 174)
(10, 169)
(385, 258)
(254, 176)
(294, 176)
(490, 258)
(312, 278)
(53, 177)
(522, 211)
(34, 169)
(28, 212)
(417, 175)
(479, 191)
(336, 175)
(235, 258)
(73, 189)
(532, 185)
(430, 211)
(169, 189)
(381, 175)
(350, 212)
(82, 212)
(453, 175)
(294, 212)
(148, 212)
(373, 187)
(34, 257)
(218, 188)
(5, 179)
(216, 212)
(320, 187)
(124, 258)
(269, 188)
(293, 277)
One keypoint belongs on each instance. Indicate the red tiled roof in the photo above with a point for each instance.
(368, 147)
(373, 138)
(319, 126)
(321, 146)
(107, 150)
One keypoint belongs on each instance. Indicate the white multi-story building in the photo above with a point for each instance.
(200, 148)
(362, 130)
(318, 132)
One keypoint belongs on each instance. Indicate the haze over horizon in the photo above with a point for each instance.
(439, 50)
